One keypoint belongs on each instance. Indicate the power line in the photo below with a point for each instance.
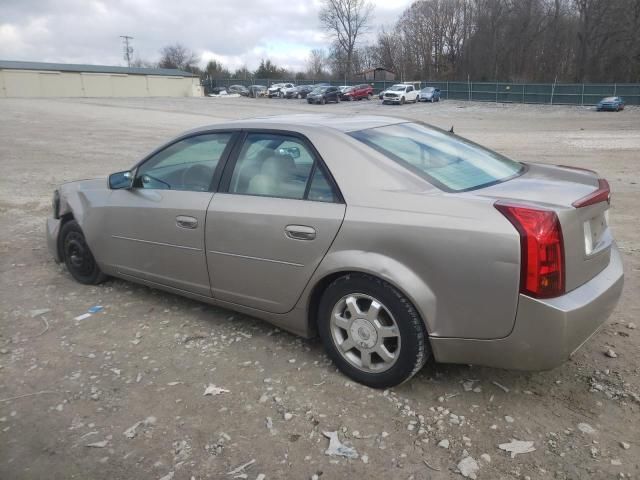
(127, 49)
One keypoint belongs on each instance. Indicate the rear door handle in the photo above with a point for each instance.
(184, 221)
(300, 232)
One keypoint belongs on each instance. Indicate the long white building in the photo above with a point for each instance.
(37, 79)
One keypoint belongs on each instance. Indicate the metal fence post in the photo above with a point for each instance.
(582, 99)
(447, 89)
(524, 90)
(615, 89)
(496, 92)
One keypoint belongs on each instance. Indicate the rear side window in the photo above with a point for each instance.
(282, 166)
(450, 163)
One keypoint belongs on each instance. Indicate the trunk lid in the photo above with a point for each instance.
(585, 230)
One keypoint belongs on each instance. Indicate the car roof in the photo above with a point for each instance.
(298, 122)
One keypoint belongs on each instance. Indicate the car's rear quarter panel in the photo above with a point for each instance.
(456, 258)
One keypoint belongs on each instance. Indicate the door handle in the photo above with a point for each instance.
(184, 221)
(300, 232)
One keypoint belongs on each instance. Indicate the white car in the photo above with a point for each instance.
(400, 93)
(277, 89)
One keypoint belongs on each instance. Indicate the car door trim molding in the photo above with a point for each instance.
(249, 257)
(120, 237)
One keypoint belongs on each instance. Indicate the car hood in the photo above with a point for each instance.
(87, 184)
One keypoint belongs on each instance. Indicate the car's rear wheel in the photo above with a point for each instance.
(371, 331)
(78, 257)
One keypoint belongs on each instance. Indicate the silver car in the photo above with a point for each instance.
(393, 240)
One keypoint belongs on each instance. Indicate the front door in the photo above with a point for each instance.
(156, 229)
(267, 234)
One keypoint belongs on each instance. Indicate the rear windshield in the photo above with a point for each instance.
(450, 163)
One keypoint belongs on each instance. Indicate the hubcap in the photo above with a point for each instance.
(365, 333)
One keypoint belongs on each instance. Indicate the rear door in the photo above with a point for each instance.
(276, 214)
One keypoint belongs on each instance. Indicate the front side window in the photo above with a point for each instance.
(282, 166)
(185, 165)
(450, 163)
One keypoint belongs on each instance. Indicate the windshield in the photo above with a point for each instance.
(428, 89)
(610, 99)
(398, 87)
(450, 163)
(319, 90)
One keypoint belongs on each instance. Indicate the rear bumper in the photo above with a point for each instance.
(53, 230)
(546, 332)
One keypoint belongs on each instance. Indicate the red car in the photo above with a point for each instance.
(358, 92)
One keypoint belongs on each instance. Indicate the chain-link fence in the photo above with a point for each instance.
(500, 92)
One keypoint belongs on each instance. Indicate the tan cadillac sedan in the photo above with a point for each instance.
(393, 240)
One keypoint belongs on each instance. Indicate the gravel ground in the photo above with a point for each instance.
(120, 394)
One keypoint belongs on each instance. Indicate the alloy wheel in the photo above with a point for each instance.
(365, 333)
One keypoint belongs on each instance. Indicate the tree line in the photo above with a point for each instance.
(482, 40)
(515, 40)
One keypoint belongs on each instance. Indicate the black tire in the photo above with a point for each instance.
(77, 256)
(402, 101)
(415, 348)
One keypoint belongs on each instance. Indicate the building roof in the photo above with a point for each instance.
(72, 67)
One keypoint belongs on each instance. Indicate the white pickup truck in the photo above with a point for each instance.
(400, 93)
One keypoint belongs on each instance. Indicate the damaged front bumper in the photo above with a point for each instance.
(52, 233)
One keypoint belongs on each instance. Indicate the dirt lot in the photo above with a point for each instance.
(84, 383)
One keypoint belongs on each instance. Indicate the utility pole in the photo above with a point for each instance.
(127, 49)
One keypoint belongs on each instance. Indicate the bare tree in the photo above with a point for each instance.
(316, 63)
(346, 21)
(178, 56)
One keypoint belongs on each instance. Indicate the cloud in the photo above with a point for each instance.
(238, 33)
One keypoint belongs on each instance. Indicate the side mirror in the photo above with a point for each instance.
(121, 180)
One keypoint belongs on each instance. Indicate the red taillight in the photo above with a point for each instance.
(542, 250)
(602, 194)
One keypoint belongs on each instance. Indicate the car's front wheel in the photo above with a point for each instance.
(77, 256)
(402, 101)
(371, 331)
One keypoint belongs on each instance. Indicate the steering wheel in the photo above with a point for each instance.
(197, 177)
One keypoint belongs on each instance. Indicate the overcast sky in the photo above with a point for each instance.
(236, 32)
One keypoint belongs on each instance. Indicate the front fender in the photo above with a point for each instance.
(79, 200)
(386, 268)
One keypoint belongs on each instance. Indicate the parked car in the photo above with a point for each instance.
(442, 249)
(256, 91)
(276, 90)
(342, 91)
(324, 95)
(239, 89)
(610, 103)
(300, 91)
(429, 94)
(400, 93)
(216, 91)
(358, 92)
